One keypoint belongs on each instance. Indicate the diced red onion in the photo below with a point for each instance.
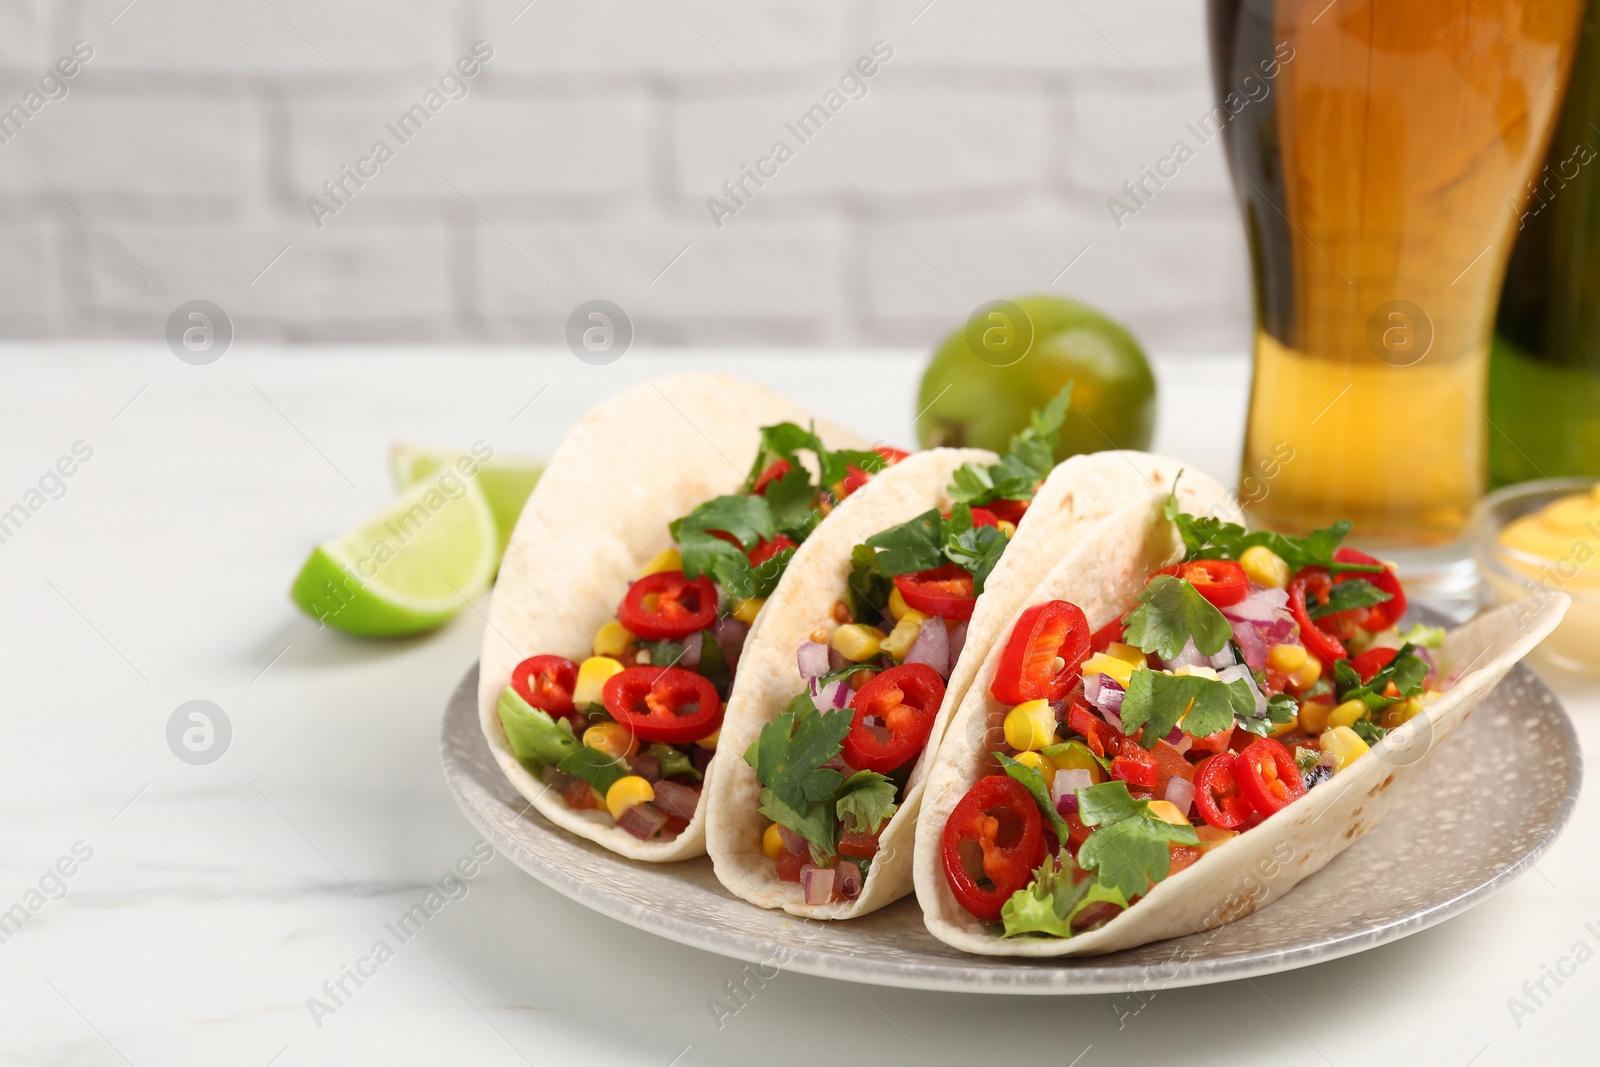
(702, 758)
(1259, 606)
(1188, 656)
(730, 634)
(1068, 782)
(958, 641)
(932, 646)
(817, 883)
(1095, 913)
(813, 657)
(1173, 735)
(1279, 629)
(1183, 743)
(1091, 687)
(691, 651)
(836, 694)
(1180, 792)
(792, 841)
(1224, 658)
(1067, 804)
(642, 820)
(646, 767)
(675, 799)
(1109, 699)
(1249, 641)
(849, 880)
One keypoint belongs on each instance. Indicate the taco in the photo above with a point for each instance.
(633, 580)
(1215, 703)
(868, 647)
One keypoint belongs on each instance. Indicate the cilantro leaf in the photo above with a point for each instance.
(789, 754)
(1370, 732)
(1407, 671)
(866, 802)
(836, 465)
(1208, 537)
(1026, 463)
(1129, 849)
(1052, 900)
(811, 820)
(1034, 782)
(975, 549)
(868, 589)
(536, 739)
(785, 441)
(914, 545)
(792, 501)
(748, 518)
(1171, 612)
(1202, 706)
(673, 762)
(1348, 594)
(1083, 750)
(595, 767)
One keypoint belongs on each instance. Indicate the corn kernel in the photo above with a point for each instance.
(1314, 716)
(612, 639)
(1281, 728)
(1345, 744)
(897, 604)
(1037, 762)
(1211, 837)
(1265, 567)
(899, 642)
(1030, 726)
(1078, 758)
(593, 674)
(670, 560)
(1346, 714)
(1286, 658)
(1307, 675)
(611, 738)
(857, 642)
(1127, 653)
(709, 741)
(626, 793)
(772, 841)
(1167, 811)
(746, 610)
(1007, 528)
(1101, 663)
(1397, 715)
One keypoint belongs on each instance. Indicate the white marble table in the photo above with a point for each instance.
(206, 905)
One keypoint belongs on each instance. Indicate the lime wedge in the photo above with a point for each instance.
(409, 568)
(506, 481)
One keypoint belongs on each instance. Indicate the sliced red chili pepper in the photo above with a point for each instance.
(992, 842)
(773, 473)
(1095, 730)
(666, 605)
(546, 682)
(1268, 776)
(902, 701)
(1009, 510)
(1313, 581)
(858, 845)
(855, 477)
(1044, 655)
(943, 591)
(663, 704)
(1371, 662)
(1216, 794)
(1135, 770)
(767, 549)
(1379, 616)
(1107, 635)
(1220, 581)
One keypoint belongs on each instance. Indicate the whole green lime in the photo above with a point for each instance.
(1016, 355)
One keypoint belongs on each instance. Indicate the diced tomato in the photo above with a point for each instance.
(1009, 510)
(1135, 771)
(1095, 730)
(1170, 764)
(1370, 662)
(982, 517)
(855, 477)
(858, 845)
(1183, 856)
(1217, 742)
(789, 864)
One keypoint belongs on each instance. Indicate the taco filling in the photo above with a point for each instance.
(631, 731)
(833, 768)
(1244, 676)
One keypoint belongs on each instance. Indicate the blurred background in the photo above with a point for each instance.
(577, 162)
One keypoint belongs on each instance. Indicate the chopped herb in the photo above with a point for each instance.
(1172, 612)
(1348, 594)
(866, 802)
(595, 767)
(1370, 732)
(1029, 460)
(868, 590)
(673, 762)
(1407, 671)
(1129, 849)
(1208, 537)
(914, 545)
(1034, 782)
(1281, 708)
(1053, 899)
(1202, 706)
(788, 757)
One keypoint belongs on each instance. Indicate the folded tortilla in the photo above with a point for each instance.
(598, 515)
(1077, 494)
(1103, 574)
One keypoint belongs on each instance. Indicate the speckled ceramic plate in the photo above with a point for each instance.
(1402, 877)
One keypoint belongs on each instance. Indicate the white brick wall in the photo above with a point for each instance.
(977, 165)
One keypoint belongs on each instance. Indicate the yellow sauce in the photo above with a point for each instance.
(1564, 539)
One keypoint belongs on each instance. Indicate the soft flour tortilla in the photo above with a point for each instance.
(600, 513)
(769, 677)
(1102, 575)
(1078, 493)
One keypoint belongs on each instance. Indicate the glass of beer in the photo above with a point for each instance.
(1374, 174)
